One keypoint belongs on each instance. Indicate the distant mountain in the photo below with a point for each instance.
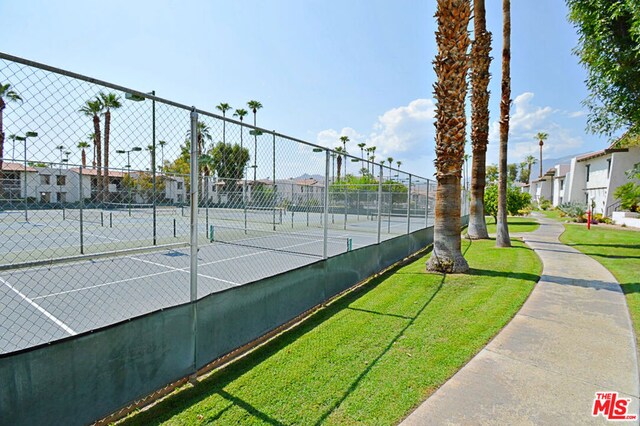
(308, 176)
(549, 163)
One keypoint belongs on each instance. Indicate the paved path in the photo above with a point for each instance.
(572, 338)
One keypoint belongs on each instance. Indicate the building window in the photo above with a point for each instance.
(61, 180)
(61, 196)
(561, 184)
(179, 185)
(45, 179)
(608, 167)
(45, 197)
(588, 170)
(180, 198)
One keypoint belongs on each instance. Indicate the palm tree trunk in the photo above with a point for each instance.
(84, 159)
(480, 61)
(447, 256)
(339, 161)
(107, 130)
(2, 106)
(451, 66)
(502, 230)
(529, 175)
(98, 149)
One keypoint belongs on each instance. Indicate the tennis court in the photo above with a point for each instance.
(55, 301)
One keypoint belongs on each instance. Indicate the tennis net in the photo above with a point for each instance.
(250, 214)
(295, 243)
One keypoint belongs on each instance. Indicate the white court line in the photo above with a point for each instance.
(101, 285)
(182, 270)
(59, 323)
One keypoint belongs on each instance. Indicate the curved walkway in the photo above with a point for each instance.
(572, 338)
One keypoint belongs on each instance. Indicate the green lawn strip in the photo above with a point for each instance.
(616, 250)
(555, 214)
(371, 356)
(516, 224)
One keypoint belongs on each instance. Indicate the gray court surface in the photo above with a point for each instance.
(53, 301)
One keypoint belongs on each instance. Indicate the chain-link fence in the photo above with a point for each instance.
(101, 220)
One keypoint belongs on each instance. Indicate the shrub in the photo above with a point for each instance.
(574, 210)
(629, 196)
(544, 203)
(516, 200)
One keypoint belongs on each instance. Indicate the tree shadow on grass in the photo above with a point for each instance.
(216, 382)
(504, 274)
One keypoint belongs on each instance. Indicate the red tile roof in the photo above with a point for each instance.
(16, 167)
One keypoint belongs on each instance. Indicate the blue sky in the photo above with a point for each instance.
(321, 68)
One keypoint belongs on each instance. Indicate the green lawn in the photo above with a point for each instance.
(371, 356)
(515, 223)
(555, 214)
(616, 250)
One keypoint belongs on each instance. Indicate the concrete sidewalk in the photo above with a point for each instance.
(572, 338)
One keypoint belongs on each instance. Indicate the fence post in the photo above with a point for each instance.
(426, 206)
(379, 202)
(275, 192)
(193, 192)
(409, 207)
(153, 166)
(325, 230)
(81, 213)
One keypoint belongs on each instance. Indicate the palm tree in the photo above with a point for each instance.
(82, 145)
(399, 163)
(451, 65)
(240, 113)
(223, 107)
(202, 134)
(502, 229)
(162, 144)
(109, 101)
(92, 138)
(94, 109)
(530, 160)
(541, 136)
(480, 61)
(10, 95)
(373, 158)
(254, 106)
(340, 151)
(390, 161)
(361, 145)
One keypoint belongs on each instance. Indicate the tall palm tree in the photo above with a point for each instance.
(240, 113)
(6, 92)
(162, 144)
(530, 160)
(254, 106)
(202, 134)
(451, 65)
(361, 145)
(92, 138)
(373, 158)
(94, 109)
(223, 107)
(339, 150)
(541, 136)
(399, 163)
(82, 145)
(502, 229)
(390, 161)
(480, 61)
(109, 101)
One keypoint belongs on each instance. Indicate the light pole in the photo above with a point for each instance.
(255, 134)
(60, 148)
(128, 152)
(138, 98)
(24, 139)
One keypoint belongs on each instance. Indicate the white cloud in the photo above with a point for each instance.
(406, 128)
(576, 114)
(330, 138)
(527, 119)
(405, 133)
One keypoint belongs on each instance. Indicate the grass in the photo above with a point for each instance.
(555, 214)
(371, 356)
(516, 224)
(616, 250)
